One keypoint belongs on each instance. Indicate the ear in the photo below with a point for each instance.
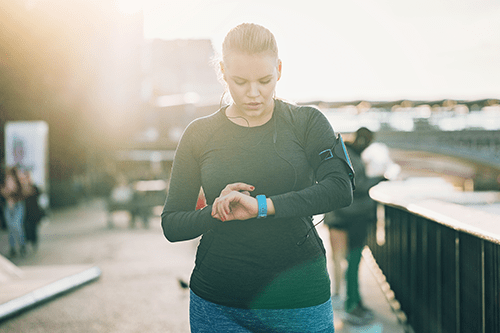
(279, 69)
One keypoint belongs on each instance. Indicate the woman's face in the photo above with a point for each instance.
(251, 79)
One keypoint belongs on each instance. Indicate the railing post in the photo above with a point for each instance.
(439, 276)
(457, 282)
(483, 289)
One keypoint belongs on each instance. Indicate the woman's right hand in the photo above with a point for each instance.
(235, 203)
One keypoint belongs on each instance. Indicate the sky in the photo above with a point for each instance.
(357, 49)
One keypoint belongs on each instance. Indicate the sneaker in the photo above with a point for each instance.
(359, 316)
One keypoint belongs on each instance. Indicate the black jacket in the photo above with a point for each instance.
(258, 263)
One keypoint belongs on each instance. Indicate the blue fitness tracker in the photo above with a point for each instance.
(262, 202)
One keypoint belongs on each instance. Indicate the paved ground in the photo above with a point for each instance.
(138, 290)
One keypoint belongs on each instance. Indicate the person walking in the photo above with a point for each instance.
(348, 228)
(266, 167)
(14, 211)
(34, 212)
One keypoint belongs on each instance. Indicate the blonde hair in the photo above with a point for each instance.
(249, 38)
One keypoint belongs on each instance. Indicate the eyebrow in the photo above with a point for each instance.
(262, 78)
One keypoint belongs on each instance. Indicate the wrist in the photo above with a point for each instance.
(261, 206)
(270, 207)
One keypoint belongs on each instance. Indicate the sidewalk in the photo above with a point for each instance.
(25, 287)
(138, 290)
(375, 293)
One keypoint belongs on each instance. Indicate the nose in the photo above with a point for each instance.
(253, 90)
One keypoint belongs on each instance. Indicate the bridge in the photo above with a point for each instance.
(478, 150)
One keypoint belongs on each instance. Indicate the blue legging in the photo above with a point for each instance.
(208, 317)
(14, 218)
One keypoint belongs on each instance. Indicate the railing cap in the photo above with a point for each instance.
(437, 201)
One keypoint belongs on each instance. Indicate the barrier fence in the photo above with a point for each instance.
(442, 260)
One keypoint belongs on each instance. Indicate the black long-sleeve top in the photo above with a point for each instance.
(275, 262)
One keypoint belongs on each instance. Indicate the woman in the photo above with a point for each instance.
(265, 167)
(14, 211)
(34, 213)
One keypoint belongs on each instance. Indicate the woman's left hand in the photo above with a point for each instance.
(235, 203)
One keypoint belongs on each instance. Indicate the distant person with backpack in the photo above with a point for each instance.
(348, 229)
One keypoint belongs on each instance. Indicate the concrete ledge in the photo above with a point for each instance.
(40, 284)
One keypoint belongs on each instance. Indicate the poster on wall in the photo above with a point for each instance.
(26, 146)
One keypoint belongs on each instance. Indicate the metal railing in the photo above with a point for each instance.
(442, 260)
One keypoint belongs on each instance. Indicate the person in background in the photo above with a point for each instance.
(14, 211)
(348, 228)
(34, 212)
(266, 167)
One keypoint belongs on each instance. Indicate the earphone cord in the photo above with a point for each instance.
(303, 240)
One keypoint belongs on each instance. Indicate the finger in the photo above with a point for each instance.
(220, 210)
(238, 187)
(226, 204)
(216, 215)
(245, 193)
(243, 187)
(214, 207)
(226, 207)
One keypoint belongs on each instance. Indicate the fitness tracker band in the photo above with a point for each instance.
(262, 202)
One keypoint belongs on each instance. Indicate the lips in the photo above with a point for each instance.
(253, 105)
